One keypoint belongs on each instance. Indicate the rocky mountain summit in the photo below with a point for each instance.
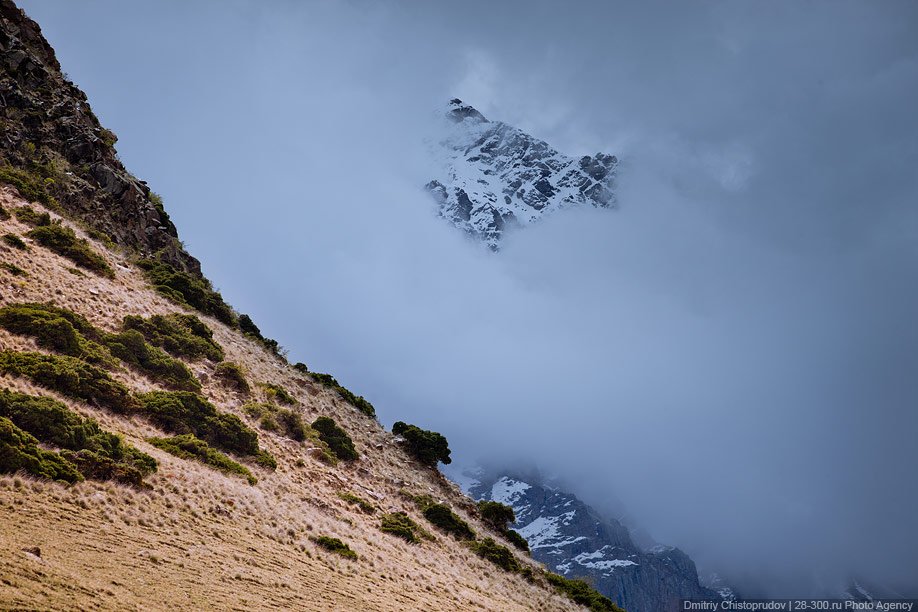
(574, 540)
(496, 177)
(55, 150)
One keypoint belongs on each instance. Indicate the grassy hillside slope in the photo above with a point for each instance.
(193, 537)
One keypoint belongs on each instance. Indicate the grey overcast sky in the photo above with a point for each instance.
(733, 353)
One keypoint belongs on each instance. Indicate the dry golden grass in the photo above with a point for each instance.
(198, 539)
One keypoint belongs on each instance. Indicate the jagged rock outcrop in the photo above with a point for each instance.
(496, 176)
(572, 539)
(51, 137)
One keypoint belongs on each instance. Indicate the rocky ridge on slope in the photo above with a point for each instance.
(54, 148)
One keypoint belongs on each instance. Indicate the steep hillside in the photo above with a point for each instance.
(157, 451)
(496, 177)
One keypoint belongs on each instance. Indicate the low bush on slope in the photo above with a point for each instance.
(428, 447)
(497, 554)
(130, 347)
(30, 216)
(20, 451)
(400, 525)
(63, 241)
(582, 593)
(187, 446)
(183, 412)
(31, 186)
(336, 438)
(499, 516)
(187, 289)
(279, 420)
(355, 400)
(276, 393)
(13, 269)
(365, 506)
(336, 546)
(181, 335)
(248, 327)
(15, 241)
(98, 454)
(443, 518)
(232, 375)
(66, 332)
(71, 377)
(55, 329)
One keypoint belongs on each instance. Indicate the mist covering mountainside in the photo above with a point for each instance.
(574, 540)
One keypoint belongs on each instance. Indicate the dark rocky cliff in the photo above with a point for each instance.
(55, 150)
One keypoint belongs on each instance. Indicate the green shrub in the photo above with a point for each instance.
(13, 269)
(30, 216)
(15, 241)
(187, 446)
(516, 539)
(336, 438)
(422, 501)
(292, 423)
(299, 366)
(355, 400)
(97, 454)
(187, 289)
(428, 447)
(4, 214)
(496, 514)
(99, 235)
(582, 593)
(272, 418)
(442, 517)
(183, 412)
(496, 553)
(269, 422)
(182, 335)
(232, 376)
(30, 186)
(63, 241)
(336, 546)
(279, 394)
(248, 327)
(365, 506)
(400, 525)
(130, 347)
(265, 460)
(258, 410)
(499, 516)
(71, 377)
(99, 467)
(54, 328)
(20, 451)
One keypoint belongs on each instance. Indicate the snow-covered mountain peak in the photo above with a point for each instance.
(493, 177)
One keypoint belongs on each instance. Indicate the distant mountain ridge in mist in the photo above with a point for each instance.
(574, 540)
(495, 177)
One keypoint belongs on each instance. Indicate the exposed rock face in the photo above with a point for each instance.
(48, 130)
(495, 176)
(575, 541)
